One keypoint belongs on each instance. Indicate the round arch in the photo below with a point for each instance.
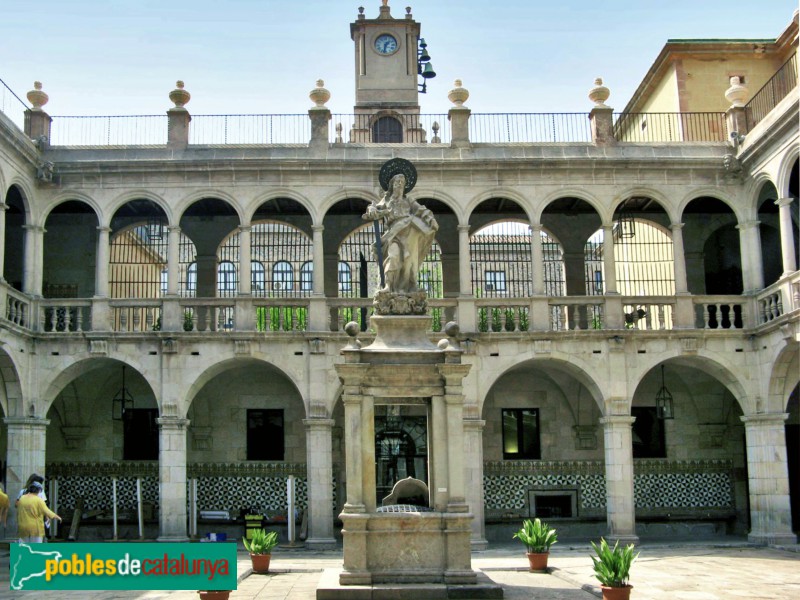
(68, 196)
(280, 194)
(499, 193)
(11, 396)
(123, 199)
(187, 202)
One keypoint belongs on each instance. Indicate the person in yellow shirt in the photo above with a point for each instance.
(3, 506)
(31, 512)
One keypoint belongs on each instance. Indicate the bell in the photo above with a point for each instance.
(428, 71)
(424, 56)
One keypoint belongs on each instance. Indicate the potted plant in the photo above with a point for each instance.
(537, 537)
(214, 594)
(612, 568)
(260, 548)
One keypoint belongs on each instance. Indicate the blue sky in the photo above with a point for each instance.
(263, 56)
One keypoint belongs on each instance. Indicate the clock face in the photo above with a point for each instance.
(385, 44)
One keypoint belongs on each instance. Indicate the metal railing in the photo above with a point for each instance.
(112, 130)
(388, 129)
(250, 129)
(512, 128)
(670, 127)
(10, 105)
(295, 129)
(775, 90)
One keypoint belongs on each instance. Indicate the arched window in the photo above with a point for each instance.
(500, 260)
(307, 276)
(345, 277)
(258, 276)
(282, 276)
(191, 280)
(226, 279)
(387, 130)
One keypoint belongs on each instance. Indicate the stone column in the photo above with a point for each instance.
(473, 475)
(681, 286)
(25, 454)
(768, 476)
(3, 208)
(173, 259)
(437, 462)
(101, 269)
(620, 510)
(352, 376)
(537, 259)
(368, 453)
(752, 267)
(609, 264)
(466, 304)
(172, 479)
(320, 487)
(32, 277)
(788, 251)
(245, 277)
(318, 317)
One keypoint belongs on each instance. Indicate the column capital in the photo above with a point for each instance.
(779, 201)
(318, 228)
(464, 228)
(243, 228)
(745, 225)
(104, 229)
(173, 423)
(34, 228)
(26, 422)
(607, 226)
(318, 424)
(617, 420)
(536, 227)
(674, 226)
(174, 228)
(3, 205)
(765, 419)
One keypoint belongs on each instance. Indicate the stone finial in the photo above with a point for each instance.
(435, 128)
(361, 12)
(458, 95)
(599, 93)
(737, 94)
(37, 97)
(408, 13)
(319, 95)
(179, 96)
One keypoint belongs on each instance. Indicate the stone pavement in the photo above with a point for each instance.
(714, 569)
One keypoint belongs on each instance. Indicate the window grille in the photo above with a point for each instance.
(138, 268)
(553, 267)
(345, 278)
(495, 281)
(387, 130)
(258, 277)
(505, 247)
(227, 281)
(594, 277)
(272, 243)
(644, 262)
(307, 276)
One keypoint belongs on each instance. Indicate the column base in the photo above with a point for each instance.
(772, 539)
(479, 544)
(173, 538)
(321, 544)
(623, 539)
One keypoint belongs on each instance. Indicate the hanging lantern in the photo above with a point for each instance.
(664, 405)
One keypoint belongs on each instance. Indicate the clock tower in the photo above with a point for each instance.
(386, 62)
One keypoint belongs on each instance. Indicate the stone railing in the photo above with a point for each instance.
(491, 316)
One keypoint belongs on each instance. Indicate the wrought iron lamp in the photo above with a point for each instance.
(424, 66)
(123, 402)
(664, 407)
(626, 225)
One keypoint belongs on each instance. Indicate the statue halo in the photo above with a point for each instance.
(398, 166)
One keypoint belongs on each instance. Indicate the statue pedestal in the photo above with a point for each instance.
(426, 547)
(399, 553)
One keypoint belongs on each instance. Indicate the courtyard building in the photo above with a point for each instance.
(174, 291)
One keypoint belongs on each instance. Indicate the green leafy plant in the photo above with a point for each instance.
(612, 565)
(263, 542)
(537, 536)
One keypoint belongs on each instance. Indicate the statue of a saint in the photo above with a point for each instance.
(408, 232)
(409, 229)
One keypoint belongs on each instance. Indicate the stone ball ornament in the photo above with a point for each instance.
(398, 166)
(452, 329)
(352, 329)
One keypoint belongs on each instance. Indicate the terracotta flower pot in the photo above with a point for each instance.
(538, 561)
(260, 562)
(616, 593)
(214, 594)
